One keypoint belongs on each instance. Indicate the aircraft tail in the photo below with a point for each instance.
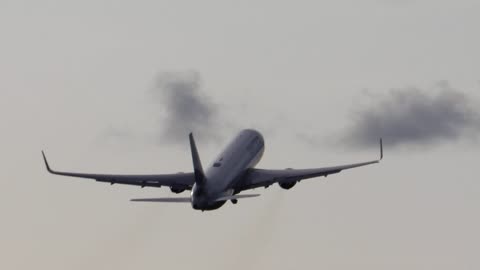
(197, 164)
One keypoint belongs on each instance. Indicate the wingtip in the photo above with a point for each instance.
(381, 149)
(46, 162)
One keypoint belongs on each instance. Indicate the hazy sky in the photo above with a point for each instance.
(100, 85)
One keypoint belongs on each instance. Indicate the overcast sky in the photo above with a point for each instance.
(100, 85)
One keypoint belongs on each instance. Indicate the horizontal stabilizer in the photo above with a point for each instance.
(166, 200)
(235, 197)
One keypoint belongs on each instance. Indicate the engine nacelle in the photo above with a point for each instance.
(287, 185)
(177, 189)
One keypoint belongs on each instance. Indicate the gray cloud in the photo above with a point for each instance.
(186, 107)
(409, 116)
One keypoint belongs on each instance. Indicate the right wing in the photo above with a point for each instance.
(180, 181)
(263, 178)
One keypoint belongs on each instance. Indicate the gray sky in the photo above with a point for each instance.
(79, 77)
(413, 116)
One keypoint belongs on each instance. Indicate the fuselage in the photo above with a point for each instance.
(241, 154)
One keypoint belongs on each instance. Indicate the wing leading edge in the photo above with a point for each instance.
(178, 181)
(263, 178)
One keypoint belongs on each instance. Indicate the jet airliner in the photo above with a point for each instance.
(232, 172)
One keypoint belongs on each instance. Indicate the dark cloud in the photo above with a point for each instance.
(186, 107)
(412, 116)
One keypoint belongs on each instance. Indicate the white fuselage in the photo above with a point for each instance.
(243, 153)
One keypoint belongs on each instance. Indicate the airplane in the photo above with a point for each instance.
(232, 172)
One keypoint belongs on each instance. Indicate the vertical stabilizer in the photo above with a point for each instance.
(197, 164)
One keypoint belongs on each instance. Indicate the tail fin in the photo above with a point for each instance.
(197, 164)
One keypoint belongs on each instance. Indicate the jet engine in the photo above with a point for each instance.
(177, 189)
(287, 185)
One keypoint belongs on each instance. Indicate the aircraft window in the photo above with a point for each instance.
(217, 164)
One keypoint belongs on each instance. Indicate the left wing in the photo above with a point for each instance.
(263, 178)
(180, 181)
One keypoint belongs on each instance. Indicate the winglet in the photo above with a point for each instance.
(381, 149)
(46, 162)
(197, 164)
